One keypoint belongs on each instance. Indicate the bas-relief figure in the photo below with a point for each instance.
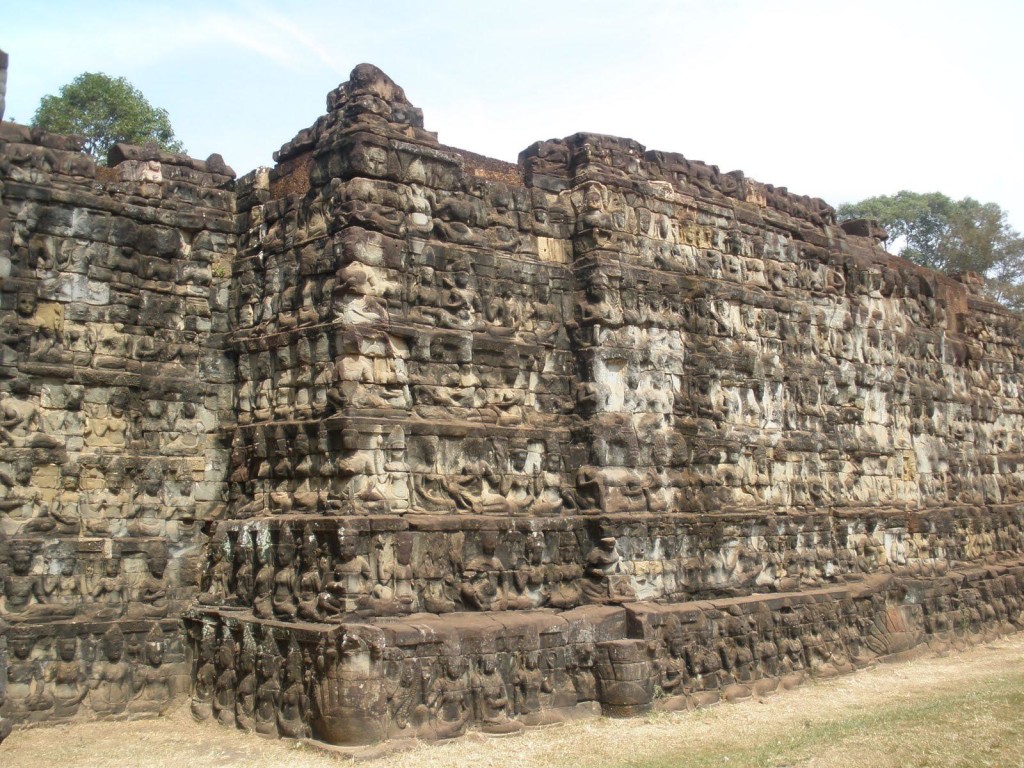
(110, 686)
(605, 577)
(151, 600)
(535, 408)
(450, 700)
(150, 684)
(66, 678)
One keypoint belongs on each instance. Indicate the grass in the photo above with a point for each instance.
(974, 727)
(962, 720)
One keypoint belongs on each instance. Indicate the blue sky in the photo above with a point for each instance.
(841, 100)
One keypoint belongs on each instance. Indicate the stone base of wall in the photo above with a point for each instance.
(438, 676)
(78, 669)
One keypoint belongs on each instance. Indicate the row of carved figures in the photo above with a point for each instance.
(71, 589)
(278, 686)
(726, 476)
(319, 576)
(117, 501)
(117, 673)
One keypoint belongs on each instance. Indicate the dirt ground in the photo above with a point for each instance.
(963, 709)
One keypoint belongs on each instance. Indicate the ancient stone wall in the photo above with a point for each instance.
(608, 376)
(625, 344)
(114, 390)
(432, 441)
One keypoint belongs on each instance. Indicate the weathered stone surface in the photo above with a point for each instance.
(418, 441)
(3, 82)
(114, 390)
(435, 677)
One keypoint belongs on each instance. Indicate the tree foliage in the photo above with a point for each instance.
(951, 236)
(106, 110)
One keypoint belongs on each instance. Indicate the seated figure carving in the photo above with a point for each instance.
(150, 599)
(483, 578)
(349, 587)
(606, 578)
(110, 685)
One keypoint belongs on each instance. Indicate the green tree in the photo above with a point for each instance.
(951, 236)
(106, 110)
